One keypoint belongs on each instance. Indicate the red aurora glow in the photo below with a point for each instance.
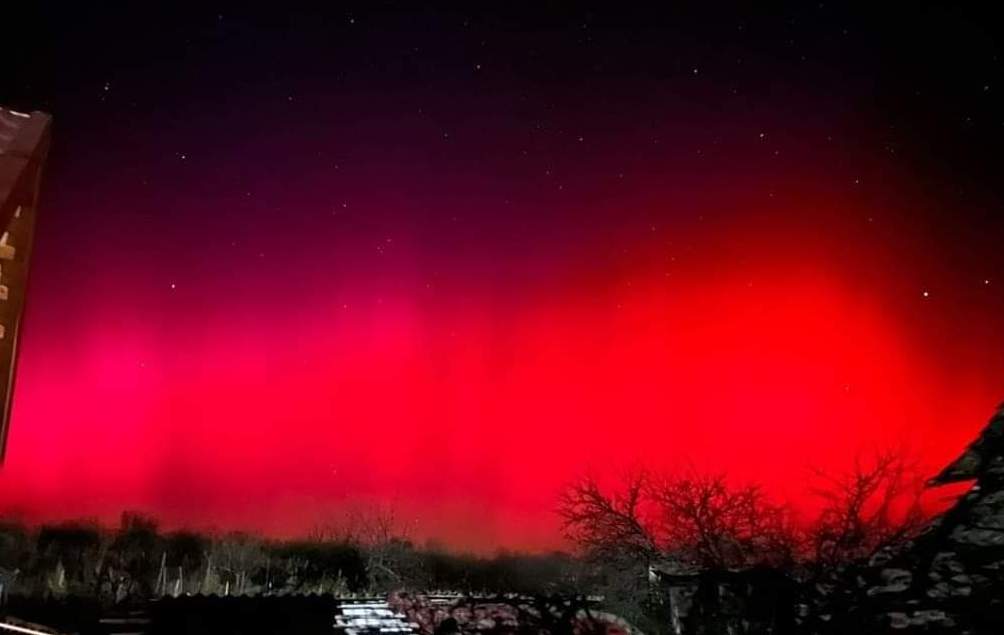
(759, 357)
(446, 264)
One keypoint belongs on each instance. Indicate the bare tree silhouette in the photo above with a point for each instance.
(873, 505)
(700, 518)
(606, 523)
(706, 520)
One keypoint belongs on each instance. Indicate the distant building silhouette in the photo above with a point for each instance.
(24, 144)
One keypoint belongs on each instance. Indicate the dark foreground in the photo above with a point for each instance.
(302, 615)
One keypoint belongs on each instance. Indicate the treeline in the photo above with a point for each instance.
(702, 532)
(710, 521)
(138, 561)
(629, 535)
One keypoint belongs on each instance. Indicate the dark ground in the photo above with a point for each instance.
(302, 615)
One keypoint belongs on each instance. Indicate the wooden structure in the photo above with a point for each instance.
(24, 144)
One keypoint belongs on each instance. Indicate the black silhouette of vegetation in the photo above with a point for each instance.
(708, 521)
(702, 532)
(745, 558)
(137, 561)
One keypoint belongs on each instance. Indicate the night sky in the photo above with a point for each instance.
(443, 261)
